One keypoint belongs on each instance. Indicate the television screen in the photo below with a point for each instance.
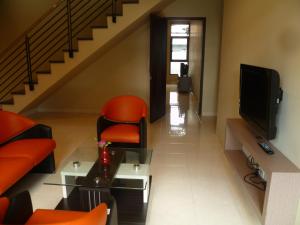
(259, 98)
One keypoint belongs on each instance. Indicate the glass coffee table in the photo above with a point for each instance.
(84, 180)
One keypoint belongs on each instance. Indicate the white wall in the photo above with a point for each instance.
(263, 33)
(122, 70)
(16, 16)
(195, 55)
(125, 68)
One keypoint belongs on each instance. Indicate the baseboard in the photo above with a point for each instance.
(30, 112)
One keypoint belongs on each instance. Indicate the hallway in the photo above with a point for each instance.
(192, 182)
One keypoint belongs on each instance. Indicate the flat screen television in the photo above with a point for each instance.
(260, 95)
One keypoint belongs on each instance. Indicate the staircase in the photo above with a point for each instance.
(64, 39)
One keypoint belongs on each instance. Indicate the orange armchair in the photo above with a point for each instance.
(18, 210)
(123, 123)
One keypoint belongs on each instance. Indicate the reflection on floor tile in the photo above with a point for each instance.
(192, 182)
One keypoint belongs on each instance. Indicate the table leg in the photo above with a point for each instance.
(146, 191)
(67, 180)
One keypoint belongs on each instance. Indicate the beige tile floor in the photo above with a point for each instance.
(192, 182)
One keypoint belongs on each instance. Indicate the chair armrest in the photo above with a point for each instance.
(37, 131)
(102, 124)
(143, 132)
(19, 209)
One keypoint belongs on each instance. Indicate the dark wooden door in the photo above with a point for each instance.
(158, 54)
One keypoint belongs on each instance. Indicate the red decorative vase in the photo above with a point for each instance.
(104, 156)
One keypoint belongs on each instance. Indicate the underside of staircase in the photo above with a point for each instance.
(98, 34)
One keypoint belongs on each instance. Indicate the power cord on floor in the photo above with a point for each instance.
(253, 178)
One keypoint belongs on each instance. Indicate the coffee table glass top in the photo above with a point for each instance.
(83, 169)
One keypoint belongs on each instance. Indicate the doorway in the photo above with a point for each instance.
(185, 56)
(176, 54)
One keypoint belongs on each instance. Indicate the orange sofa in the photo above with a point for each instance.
(24, 146)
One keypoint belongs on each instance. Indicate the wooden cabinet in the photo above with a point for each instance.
(278, 204)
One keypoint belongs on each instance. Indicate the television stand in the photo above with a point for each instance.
(279, 202)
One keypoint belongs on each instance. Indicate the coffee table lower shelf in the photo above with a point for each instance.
(130, 205)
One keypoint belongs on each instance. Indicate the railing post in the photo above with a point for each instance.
(114, 11)
(28, 60)
(70, 35)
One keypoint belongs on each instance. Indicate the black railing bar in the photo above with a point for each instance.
(28, 60)
(21, 37)
(12, 67)
(12, 52)
(59, 24)
(75, 6)
(85, 12)
(90, 21)
(49, 48)
(45, 59)
(47, 36)
(46, 23)
(3, 68)
(74, 13)
(19, 75)
(49, 56)
(78, 32)
(13, 74)
(95, 9)
(9, 90)
(2, 88)
(46, 56)
(49, 27)
(62, 32)
(83, 24)
(45, 42)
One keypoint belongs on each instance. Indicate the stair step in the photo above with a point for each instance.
(61, 50)
(57, 57)
(57, 61)
(85, 34)
(8, 101)
(99, 26)
(44, 69)
(100, 22)
(67, 50)
(19, 92)
(34, 82)
(43, 72)
(85, 38)
(130, 1)
(117, 14)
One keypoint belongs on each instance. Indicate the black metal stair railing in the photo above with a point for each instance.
(55, 32)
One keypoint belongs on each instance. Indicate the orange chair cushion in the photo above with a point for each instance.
(123, 133)
(34, 150)
(4, 203)
(13, 124)
(97, 216)
(125, 109)
(17, 168)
